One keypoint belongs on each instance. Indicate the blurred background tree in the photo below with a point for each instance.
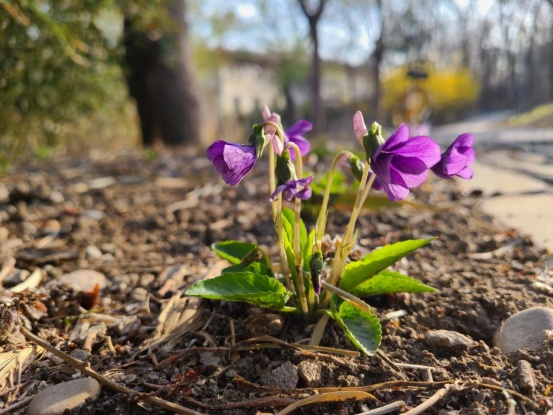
(62, 66)
(66, 68)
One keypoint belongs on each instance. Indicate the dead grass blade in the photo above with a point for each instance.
(178, 317)
(32, 281)
(14, 363)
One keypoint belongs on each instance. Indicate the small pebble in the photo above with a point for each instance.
(447, 338)
(57, 399)
(267, 324)
(524, 330)
(80, 354)
(284, 377)
(310, 372)
(93, 252)
(83, 280)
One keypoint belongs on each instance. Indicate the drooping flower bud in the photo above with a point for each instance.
(284, 168)
(356, 166)
(359, 127)
(373, 139)
(316, 266)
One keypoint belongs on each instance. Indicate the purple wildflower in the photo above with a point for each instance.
(270, 131)
(295, 133)
(232, 161)
(402, 163)
(294, 189)
(456, 159)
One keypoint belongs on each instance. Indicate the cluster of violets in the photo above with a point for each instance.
(305, 282)
(399, 163)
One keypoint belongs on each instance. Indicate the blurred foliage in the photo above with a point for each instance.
(541, 116)
(61, 78)
(450, 92)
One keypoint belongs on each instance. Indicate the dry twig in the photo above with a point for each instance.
(170, 406)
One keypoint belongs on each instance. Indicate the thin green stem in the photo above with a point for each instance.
(321, 220)
(345, 245)
(297, 234)
(342, 250)
(277, 209)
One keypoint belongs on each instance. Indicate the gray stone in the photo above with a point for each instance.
(526, 329)
(57, 399)
(447, 338)
(83, 280)
(284, 377)
(93, 252)
(310, 372)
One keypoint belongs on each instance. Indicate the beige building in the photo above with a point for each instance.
(241, 83)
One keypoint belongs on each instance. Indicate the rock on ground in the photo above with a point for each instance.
(57, 399)
(524, 330)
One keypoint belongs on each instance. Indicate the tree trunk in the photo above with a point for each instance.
(161, 81)
(377, 57)
(313, 18)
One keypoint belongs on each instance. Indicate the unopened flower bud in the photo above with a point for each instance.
(373, 139)
(284, 169)
(356, 166)
(316, 267)
(258, 139)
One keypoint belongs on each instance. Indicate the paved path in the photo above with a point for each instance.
(514, 172)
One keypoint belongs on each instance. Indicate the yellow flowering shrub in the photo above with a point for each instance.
(442, 92)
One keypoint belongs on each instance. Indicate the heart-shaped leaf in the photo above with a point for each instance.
(357, 272)
(360, 324)
(249, 287)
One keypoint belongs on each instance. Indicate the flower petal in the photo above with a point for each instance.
(395, 192)
(359, 127)
(278, 190)
(421, 147)
(408, 171)
(396, 139)
(466, 173)
(299, 128)
(302, 144)
(381, 167)
(233, 161)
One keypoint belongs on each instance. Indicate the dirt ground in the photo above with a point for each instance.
(147, 225)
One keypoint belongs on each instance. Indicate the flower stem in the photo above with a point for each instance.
(277, 208)
(345, 245)
(297, 234)
(321, 220)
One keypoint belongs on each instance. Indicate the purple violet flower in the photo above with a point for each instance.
(233, 161)
(456, 159)
(294, 189)
(295, 133)
(270, 131)
(402, 163)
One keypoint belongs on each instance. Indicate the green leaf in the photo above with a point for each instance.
(249, 287)
(288, 215)
(308, 250)
(357, 272)
(387, 282)
(257, 267)
(233, 251)
(361, 325)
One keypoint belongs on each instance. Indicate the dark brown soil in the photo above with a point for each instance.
(148, 229)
